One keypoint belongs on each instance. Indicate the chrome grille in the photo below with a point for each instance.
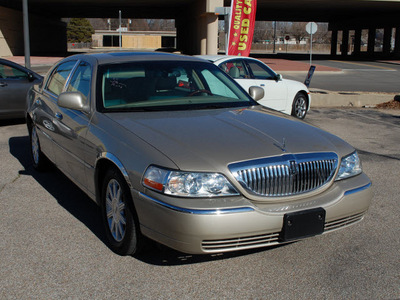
(241, 243)
(286, 175)
(336, 224)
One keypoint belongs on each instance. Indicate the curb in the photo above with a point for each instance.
(324, 98)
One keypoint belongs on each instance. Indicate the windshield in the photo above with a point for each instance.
(161, 85)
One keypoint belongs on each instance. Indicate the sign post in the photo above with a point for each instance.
(120, 31)
(311, 28)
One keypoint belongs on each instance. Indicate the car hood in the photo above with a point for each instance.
(294, 84)
(209, 140)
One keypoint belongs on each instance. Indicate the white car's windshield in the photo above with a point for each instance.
(161, 85)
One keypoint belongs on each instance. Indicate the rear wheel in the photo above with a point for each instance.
(40, 161)
(300, 105)
(119, 216)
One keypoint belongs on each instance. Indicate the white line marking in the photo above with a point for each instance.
(366, 117)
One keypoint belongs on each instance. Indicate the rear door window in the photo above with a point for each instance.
(236, 69)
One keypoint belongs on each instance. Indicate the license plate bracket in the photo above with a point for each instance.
(302, 224)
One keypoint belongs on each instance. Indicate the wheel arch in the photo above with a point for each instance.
(104, 162)
(307, 99)
(29, 121)
(307, 95)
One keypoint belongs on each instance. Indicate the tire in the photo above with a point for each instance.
(40, 161)
(299, 106)
(119, 216)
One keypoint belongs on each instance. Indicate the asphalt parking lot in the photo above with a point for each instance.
(52, 243)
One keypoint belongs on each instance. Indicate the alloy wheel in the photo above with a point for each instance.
(35, 146)
(115, 210)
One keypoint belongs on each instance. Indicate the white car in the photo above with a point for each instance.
(284, 95)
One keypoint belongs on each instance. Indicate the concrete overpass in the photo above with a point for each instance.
(196, 22)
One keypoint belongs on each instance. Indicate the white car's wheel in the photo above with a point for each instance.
(118, 215)
(300, 106)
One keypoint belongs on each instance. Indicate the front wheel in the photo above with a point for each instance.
(300, 105)
(118, 215)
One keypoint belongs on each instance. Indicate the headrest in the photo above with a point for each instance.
(234, 72)
(166, 83)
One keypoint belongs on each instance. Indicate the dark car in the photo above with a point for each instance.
(15, 81)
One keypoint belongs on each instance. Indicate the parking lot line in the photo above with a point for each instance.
(371, 118)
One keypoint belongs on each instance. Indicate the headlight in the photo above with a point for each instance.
(350, 166)
(187, 184)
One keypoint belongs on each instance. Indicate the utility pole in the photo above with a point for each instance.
(274, 36)
(120, 31)
(27, 49)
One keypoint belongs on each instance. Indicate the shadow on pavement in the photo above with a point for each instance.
(159, 255)
(67, 194)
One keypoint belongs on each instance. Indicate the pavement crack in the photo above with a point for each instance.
(11, 182)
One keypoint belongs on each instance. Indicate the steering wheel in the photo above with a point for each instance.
(200, 91)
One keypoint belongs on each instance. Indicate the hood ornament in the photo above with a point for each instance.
(282, 145)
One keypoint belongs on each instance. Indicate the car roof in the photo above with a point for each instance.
(120, 57)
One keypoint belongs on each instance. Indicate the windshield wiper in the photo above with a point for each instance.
(210, 106)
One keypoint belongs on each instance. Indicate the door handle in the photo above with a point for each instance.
(3, 84)
(59, 116)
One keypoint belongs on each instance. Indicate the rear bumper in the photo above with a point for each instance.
(200, 231)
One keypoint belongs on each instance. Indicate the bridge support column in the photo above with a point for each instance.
(212, 34)
(47, 36)
(334, 42)
(208, 34)
(345, 43)
(396, 51)
(371, 41)
(357, 42)
(387, 37)
(197, 31)
(11, 32)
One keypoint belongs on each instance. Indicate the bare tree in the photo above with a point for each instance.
(322, 36)
(263, 31)
(283, 28)
(161, 24)
(99, 23)
(298, 31)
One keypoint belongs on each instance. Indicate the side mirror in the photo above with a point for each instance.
(73, 100)
(256, 92)
(278, 77)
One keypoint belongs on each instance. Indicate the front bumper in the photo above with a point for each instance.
(205, 229)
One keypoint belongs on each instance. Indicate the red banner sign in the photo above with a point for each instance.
(241, 27)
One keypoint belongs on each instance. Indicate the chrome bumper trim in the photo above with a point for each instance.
(353, 191)
(199, 211)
